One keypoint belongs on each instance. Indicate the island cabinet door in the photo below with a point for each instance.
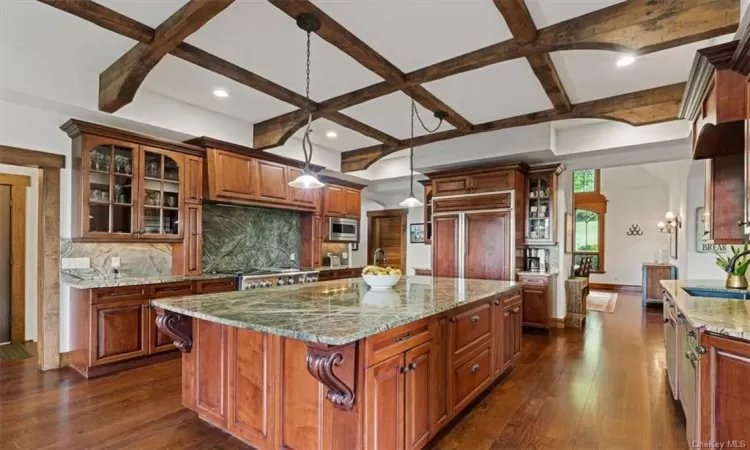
(157, 341)
(508, 336)
(498, 337)
(419, 398)
(119, 331)
(384, 404)
(445, 246)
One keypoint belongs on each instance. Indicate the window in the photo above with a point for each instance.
(586, 180)
(590, 209)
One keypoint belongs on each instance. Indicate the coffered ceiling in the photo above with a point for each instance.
(483, 61)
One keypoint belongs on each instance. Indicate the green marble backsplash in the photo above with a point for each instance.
(239, 238)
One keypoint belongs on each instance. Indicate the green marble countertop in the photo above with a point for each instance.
(334, 312)
(78, 283)
(716, 315)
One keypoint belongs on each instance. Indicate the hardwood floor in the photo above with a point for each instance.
(602, 388)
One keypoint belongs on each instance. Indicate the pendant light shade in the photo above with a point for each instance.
(306, 181)
(411, 202)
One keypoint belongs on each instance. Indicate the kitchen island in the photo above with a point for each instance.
(333, 365)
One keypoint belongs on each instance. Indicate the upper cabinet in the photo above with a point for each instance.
(541, 205)
(130, 187)
(477, 181)
(341, 201)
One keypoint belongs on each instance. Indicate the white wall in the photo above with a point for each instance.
(700, 266)
(32, 236)
(360, 257)
(565, 260)
(634, 196)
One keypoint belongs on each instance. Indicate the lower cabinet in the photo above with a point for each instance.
(119, 331)
(400, 387)
(512, 324)
(539, 293)
(158, 342)
(339, 274)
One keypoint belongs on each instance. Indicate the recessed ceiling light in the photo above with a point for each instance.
(221, 93)
(625, 60)
(330, 134)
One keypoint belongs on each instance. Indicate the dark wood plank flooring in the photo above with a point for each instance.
(600, 388)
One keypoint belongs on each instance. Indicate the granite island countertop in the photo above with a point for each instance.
(95, 283)
(719, 316)
(334, 312)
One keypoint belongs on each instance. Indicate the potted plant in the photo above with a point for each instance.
(736, 278)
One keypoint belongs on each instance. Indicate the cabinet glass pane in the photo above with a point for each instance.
(122, 191)
(152, 165)
(171, 169)
(152, 220)
(171, 218)
(99, 187)
(100, 158)
(98, 218)
(122, 221)
(123, 160)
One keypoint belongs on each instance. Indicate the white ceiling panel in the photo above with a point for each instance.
(346, 139)
(549, 12)
(259, 37)
(189, 83)
(494, 92)
(414, 34)
(593, 74)
(149, 12)
(43, 29)
(392, 114)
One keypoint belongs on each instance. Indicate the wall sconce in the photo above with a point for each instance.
(673, 222)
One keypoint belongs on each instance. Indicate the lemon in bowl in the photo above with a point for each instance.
(379, 278)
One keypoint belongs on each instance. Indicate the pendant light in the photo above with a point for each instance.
(307, 180)
(412, 201)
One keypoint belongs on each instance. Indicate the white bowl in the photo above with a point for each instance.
(381, 282)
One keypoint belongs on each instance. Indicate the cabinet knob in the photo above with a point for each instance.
(701, 350)
(475, 318)
(404, 369)
(453, 320)
(413, 366)
(742, 223)
(475, 368)
(496, 302)
(666, 320)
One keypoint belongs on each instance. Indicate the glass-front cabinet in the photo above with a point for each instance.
(129, 192)
(540, 206)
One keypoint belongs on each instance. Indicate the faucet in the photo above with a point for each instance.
(375, 256)
(733, 261)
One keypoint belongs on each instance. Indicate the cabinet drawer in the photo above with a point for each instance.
(471, 203)
(451, 186)
(538, 281)
(172, 289)
(221, 285)
(392, 342)
(469, 378)
(117, 294)
(498, 180)
(470, 325)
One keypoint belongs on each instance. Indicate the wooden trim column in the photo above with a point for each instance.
(18, 185)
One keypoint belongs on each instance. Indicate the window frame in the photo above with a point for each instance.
(596, 202)
(597, 181)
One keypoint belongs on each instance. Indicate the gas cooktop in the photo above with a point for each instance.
(274, 276)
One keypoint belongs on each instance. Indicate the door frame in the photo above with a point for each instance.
(48, 298)
(401, 212)
(18, 185)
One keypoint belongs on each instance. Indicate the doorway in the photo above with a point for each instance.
(387, 231)
(13, 257)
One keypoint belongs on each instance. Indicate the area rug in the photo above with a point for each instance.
(601, 301)
(13, 352)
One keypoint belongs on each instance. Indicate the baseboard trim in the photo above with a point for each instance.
(630, 288)
(64, 359)
(557, 323)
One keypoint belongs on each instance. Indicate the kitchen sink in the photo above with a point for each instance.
(729, 295)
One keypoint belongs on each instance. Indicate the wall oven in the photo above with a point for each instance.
(342, 230)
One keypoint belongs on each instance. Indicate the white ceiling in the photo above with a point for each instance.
(346, 139)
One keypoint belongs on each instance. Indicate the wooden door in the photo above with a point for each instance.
(419, 395)
(725, 390)
(487, 244)
(535, 306)
(387, 230)
(157, 341)
(232, 176)
(334, 203)
(728, 186)
(451, 186)
(161, 194)
(119, 331)
(109, 190)
(445, 246)
(193, 179)
(302, 197)
(352, 203)
(194, 240)
(384, 404)
(210, 353)
(498, 337)
(272, 181)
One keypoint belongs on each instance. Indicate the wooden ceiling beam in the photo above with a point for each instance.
(348, 122)
(120, 81)
(524, 31)
(638, 108)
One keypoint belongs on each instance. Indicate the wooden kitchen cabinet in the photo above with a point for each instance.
(161, 196)
(512, 326)
(158, 342)
(334, 201)
(539, 292)
(427, 211)
(193, 180)
(231, 176)
(119, 331)
(725, 199)
(352, 203)
(541, 205)
(273, 184)
(304, 197)
(487, 245)
(419, 395)
(187, 256)
(445, 244)
(451, 185)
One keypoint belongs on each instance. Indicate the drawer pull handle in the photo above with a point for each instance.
(475, 368)
(404, 369)
(174, 288)
(122, 294)
(413, 366)
(701, 350)
(475, 318)
(402, 338)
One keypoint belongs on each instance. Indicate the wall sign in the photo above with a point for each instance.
(701, 242)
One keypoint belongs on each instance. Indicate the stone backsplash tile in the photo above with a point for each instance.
(136, 259)
(239, 238)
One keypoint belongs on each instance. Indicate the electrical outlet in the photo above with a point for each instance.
(345, 255)
(293, 256)
(115, 263)
(76, 263)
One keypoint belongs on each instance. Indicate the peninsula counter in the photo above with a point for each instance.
(333, 365)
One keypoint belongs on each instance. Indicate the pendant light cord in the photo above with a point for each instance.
(307, 146)
(411, 149)
(415, 111)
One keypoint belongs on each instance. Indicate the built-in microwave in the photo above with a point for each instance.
(342, 230)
